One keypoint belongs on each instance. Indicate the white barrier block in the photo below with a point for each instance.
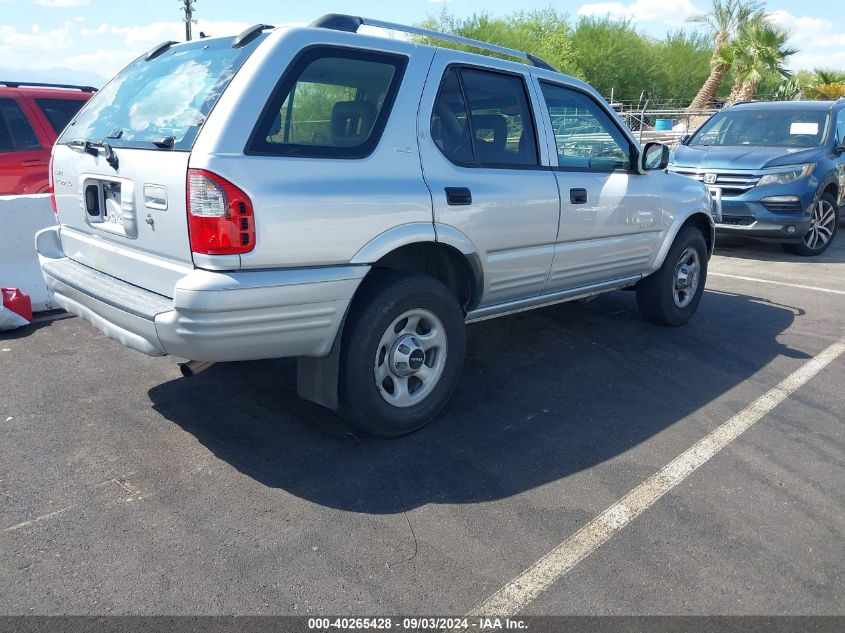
(21, 217)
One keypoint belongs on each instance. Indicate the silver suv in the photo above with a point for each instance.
(354, 201)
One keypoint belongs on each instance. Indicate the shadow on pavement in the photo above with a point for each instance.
(544, 394)
(41, 320)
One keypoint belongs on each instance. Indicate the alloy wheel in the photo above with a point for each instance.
(822, 227)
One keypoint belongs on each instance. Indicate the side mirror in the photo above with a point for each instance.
(685, 139)
(655, 156)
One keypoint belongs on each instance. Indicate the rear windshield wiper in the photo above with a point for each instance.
(90, 147)
(165, 142)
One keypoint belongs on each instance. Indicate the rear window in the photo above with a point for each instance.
(168, 96)
(59, 112)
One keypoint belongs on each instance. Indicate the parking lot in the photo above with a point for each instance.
(125, 488)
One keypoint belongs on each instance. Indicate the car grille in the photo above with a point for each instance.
(734, 220)
(784, 207)
(731, 184)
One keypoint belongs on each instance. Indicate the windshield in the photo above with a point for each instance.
(168, 96)
(764, 128)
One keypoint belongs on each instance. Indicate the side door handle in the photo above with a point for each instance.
(458, 196)
(578, 196)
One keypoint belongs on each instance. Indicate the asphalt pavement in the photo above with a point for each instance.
(127, 489)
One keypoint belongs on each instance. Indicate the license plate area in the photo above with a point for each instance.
(109, 205)
(716, 203)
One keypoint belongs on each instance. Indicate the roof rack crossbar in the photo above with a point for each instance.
(340, 22)
(30, 84)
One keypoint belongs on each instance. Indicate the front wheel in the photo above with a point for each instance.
(823, 228)
(671, 295)
(403, 349)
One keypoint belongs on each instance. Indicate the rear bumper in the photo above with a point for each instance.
(213, 316)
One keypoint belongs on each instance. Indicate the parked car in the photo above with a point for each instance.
(779, 169)
(354, 201)
(31, 117)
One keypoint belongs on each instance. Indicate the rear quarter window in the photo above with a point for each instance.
(59, 112)
(331, 103)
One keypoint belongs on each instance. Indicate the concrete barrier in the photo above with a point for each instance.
(20, 218)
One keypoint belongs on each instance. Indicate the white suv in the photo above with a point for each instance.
(354, 201)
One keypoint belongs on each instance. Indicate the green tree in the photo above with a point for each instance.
(825, 84)
(684, 65)
(613, 56)
(760, 50)
(723, 21)
(545, 33)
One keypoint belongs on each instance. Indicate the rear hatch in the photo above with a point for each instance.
(120, 167)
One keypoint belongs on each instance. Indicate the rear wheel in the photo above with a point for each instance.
(824, 226)
(671, 295)
(403, 349)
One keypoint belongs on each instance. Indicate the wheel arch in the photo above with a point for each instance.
(699, 219)
(832, 187)
(409, 248)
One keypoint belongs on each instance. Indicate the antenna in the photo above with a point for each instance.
(188, 8)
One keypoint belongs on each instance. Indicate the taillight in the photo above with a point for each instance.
(220, 219)
(52, 189)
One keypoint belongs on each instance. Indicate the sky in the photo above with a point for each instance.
(88, 41)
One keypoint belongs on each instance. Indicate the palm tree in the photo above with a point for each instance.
(827, 84)
(723, 21)
(759, 50)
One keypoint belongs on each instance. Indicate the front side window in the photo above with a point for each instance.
(585, 137)
(764, 127)
(484, 117)
(332, 103)
(59, 112)
(18, 131)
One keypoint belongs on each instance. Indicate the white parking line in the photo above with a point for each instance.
(519, 592)
(43, 517)
(777, 283)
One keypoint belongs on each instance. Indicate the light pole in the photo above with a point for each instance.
(188, 8)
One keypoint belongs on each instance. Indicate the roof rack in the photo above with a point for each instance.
(31, 84)
(351, 23)
(249, 34)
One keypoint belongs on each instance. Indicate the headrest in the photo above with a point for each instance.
(352, 122)
(482, 124)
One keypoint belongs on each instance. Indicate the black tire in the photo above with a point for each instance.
(802, 248)
(656, 293)
(386, 296)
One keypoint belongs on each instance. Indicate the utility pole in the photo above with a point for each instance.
(188, 8)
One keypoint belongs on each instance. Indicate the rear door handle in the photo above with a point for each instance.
(458, 196)
(578, 196)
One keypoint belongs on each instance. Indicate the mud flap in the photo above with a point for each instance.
(317, 378)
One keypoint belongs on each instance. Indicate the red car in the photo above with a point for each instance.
(31, 117)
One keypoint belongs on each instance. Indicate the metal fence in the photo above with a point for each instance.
(666, 125)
